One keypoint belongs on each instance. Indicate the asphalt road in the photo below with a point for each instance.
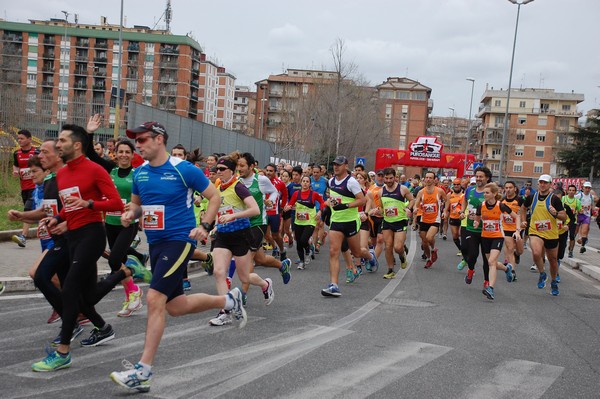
(425, 334)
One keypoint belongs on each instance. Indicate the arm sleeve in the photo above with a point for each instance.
(15, 159)
(194, 177)
(91, 154)
(292, 200)
(317, 198)
(284, 194)
(112, 201)
(505, 208)
(242, 191)
(478, 210)
(570, 213)
(557, 203)
(353, 186)
(268, 188)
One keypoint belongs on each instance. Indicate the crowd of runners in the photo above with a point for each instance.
(83, 195)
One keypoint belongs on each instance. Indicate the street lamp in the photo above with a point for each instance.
(262, 112)
(512, 61)
(472, 80)
(120, 59)
(453, 128)
(62, 99)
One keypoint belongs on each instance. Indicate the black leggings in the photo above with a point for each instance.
(302, 235)
(119, 242)
(80, 290)
(562, 245)
(473, 243)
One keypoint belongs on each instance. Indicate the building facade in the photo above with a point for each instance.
(244, 110)
(63, 72)
(539, 120)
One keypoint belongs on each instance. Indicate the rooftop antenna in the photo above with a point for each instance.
(168, 15)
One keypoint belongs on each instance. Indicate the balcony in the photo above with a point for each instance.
(493, 139)
(80, 86)
(48, 55)
(12, 37)
(194, 83)
(47, 83)
(194, 97)
(100, 60)
(168, 64)
(133, 48)
(49, 41)
(132, 75)
(82, 42)
(80, 71)
(276, 93)
(167, 79)
(98, 87)
(193, 111)
(100, 73)
(169, 50)
(196, 71)
(167, 93)
(48, 69)
(82, 58)
(101, 45)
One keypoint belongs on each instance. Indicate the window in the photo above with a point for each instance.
(386, 94)
(542, 121)
(497, 103)
(522, 104)
(544, 107)
(420, 96)
(522, 120)
(539, 152)
(403, 95)
(498, 120)
(566, 107)
(520, 135)
(519, 151)
(541, 137)
(538, 168)
(388, 111)
(518, 167)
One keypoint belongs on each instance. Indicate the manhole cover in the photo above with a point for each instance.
(408, 302)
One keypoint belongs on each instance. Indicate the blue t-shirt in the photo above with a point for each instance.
(166, 193)
(320, 186)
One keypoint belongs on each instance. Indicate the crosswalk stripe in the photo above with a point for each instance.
(362, 379)
(515, 379)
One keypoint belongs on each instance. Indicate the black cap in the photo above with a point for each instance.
(340, 160)
(380, 172)
(153, 127)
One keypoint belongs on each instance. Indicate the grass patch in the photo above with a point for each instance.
(10, 194)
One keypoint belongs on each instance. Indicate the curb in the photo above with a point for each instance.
(25, 284)
(581, 265)
(5, 235)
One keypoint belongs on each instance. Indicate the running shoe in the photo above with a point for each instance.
(300, 266)
(275, 252)
(331, 290)
(554, 288)
(524, 246)
(133, 303)
(558, 278)
(285, 270)
(99, 336)
(136, 241)
(19, 239)
(428, 264)
(423, 256)
(307, 260)
(54, 361)
(581, 250)
(187, 286)
(54, 317)
(138, 270)
(349, 276)
(461, 265)
(367, 265)
(469, 276)
(403, 263)
(238, 312)
(283, 256)
(208, 264)
(373, 261)
(269, 293)
(223, 318)
(244, 298)
(533, 269)
(489, 293)
(132, 378)
(76, 332)
(459, 253)
(542, 280)
(312, 251)
(444, 237)
(570, 254)
(509, 273)
(389, 275)
(514, 275)
(434, 256)
(359, 269)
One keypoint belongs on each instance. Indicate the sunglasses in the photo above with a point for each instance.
(142, 140)
(221, 169)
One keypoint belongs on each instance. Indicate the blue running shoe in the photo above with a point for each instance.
(554, 288)
(331, 290)
(285, 270)
(366, 264)
(509, 273)
(77, 330)
(373, 262)
(488, 292)
(558, 278)
(349, 276)
(542, 280)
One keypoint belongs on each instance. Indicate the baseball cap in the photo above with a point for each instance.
(587, 184)
(153, 127)
(473, 180)
(546, 178)
(371, 173)
(340, 160)
(380, 172)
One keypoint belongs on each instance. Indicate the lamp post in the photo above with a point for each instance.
(262, 112)
(468, 138)
(118, 102)
(512, 61)
(62, 98)
(453, 129)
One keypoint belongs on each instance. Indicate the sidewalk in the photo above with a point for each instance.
(15, 263)
(588, 263)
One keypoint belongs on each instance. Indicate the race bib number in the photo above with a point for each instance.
(391, 211)
(302, 216)
(454, 206)
(224, 210)
(153, 217)
(25, 174)
(472, 212)
(50, 207)
(491, 226)
(335, 200)
(430, 208)
(508, 219)
(42, 232)
(117, 213)
(66, 193)
(543, 225)
(559, 224)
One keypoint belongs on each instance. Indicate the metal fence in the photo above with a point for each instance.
(210, 139)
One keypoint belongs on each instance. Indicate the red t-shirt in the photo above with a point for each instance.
(20, 158)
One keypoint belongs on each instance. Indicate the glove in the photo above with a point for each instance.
(340, 207)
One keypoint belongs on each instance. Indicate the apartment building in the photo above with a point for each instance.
(281, 96)
(539, 120)
(406, 105)
(244, 110)
(63, 72)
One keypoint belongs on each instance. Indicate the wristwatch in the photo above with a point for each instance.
(206, 226)
(90, 204)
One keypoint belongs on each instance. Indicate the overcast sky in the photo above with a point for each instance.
(437, 42)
